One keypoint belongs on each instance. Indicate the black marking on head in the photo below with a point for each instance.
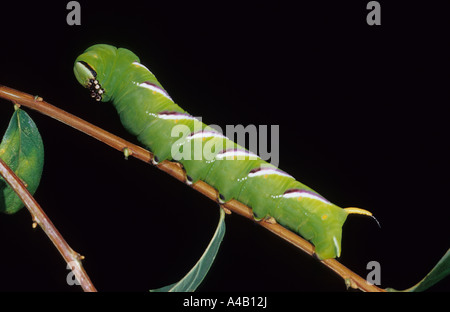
(93, 72)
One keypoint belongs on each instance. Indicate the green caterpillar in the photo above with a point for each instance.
(147, 111)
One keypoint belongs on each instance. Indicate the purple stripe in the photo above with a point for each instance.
(236, 150)
(161, 90)
(167, 113)
(268, 168)
(306, 192)
(208, 133)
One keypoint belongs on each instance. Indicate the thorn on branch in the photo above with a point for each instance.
(350, 283)
(127, 152)
(37, 98)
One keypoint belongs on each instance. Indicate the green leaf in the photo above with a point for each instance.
(196, 275)
(440, 271)
(23, 151)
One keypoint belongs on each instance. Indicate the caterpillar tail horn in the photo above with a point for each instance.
(354, 210)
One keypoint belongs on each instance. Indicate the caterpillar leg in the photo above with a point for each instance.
(315, 256)
(221, 199)
(155, 160)
(267, 218)
(258, 216)
(189, 180)
(257, 219)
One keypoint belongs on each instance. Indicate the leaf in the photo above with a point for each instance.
(439, 272)
(196, 275)
(23, 151)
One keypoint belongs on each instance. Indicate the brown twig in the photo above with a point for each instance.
(72, 258)
(172, 168)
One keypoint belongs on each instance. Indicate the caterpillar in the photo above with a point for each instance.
(147, 111)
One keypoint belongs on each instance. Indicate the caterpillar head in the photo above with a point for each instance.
(92, 69)
(87, 77)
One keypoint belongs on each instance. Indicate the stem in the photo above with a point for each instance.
(175, 170)
(39, 217)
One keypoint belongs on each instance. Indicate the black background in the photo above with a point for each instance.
(363, 120)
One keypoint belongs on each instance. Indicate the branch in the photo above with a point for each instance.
(175, 170)
(72, 258)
